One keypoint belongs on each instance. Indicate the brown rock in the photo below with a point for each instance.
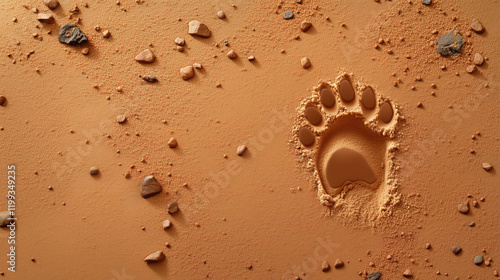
(121, 118)
(107, 34)
(187, 72)
(172, 142)
(45, 18)
(150, 187)
(251, 58)
(179, 41)
(477, 26)
(197, 28)
(51, 4)
(180, 49)
(94, 170)
(487, 166)
(325, 266)
(407, 273)
(232, 54)
(221, 14)
(338, 264)
(2, 100)
(197, 65)
(166, 224)
(146, 56)
(305, 62)
(305, 25)
(471, 69)
(463, 208)
(173, 208)
(155, 257)
(241, 150)
(5, 218)
(478, 59)
(85, 51)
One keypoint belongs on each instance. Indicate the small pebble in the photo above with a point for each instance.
(305, 25)
(180, 49)
(495, 273)
(197, 28)
(155, 257)
(4, 218)
(106, 34)
(72, 35)
(166, 224)
(305, 62)
(85, 51)
(241, 150)
(472, 224)
(2, 100)
(150, 187)
(94, 170)
(471, 69)
(407, 273)
(187, 72)
(146, 56)
(338, 264)
(179, 41)
(251, 58)
(427, 2)
(325, 266)
(51, 4)
(232, 54)
(487, 166)
(173, 208)
(478, 59)
(427, 246)
(288, 15)
(172, 142)
(150, 78)
(450, 43)
(463, 208)
(197, 65)
(121, 118)
(477, 26)
(456, 250)
(374, 276)
(45, 18)
(478, 260)
(221, 14)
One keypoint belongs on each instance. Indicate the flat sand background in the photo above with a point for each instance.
(265, 213)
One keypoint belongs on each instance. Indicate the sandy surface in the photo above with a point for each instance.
(261, 215)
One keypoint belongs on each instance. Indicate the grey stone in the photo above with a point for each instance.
(456, 250)
(450, 43)
(374, 276)
(150, 187)
(173, 208)
(472, 224)
(478, 260)
(72, 35)
(426, 2)
(4, 218)
(288, 15)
